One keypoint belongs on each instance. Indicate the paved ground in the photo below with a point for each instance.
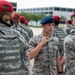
(36, 31)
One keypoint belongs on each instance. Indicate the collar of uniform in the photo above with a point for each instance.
(70, 25)
(49, 36)
(3, 25)
(72, 31)
(22, 25)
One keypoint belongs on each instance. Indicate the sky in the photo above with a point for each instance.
(44, 3)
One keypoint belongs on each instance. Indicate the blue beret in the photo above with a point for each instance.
(47, 19)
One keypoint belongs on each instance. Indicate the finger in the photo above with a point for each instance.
(47, 38)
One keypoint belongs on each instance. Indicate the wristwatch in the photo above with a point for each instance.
(60, 72)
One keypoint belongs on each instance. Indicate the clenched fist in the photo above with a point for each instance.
(44, 40)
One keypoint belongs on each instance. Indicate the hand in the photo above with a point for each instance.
(44, 40)
(62, 60)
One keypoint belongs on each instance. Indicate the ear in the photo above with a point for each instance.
(5, 18)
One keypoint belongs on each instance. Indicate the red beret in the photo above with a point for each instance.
(69, 21)
(15, 16)
(56, 18)
(73, 14)
(5, 3)
(23, 20)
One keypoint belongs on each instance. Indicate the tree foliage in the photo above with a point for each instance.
(33, 17)
(63, 18)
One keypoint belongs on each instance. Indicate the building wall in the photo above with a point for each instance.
(61, 13)
(14, 5)
(49, 11)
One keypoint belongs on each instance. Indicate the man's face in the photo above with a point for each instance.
(47, 28)
(73, 20)
(15, 21)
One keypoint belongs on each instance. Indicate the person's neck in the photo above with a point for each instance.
(46, 34)
(74, 26)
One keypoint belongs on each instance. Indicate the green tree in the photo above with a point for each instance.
(63, 18)
(32, 17)
(27, 15)
(38, 17)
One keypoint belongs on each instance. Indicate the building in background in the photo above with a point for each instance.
(60, 11)
(14, 5)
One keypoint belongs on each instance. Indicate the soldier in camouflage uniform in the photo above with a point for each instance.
(69, 50)
(22, 20)
(44, 48)
(16, 26)
(13, 47)
(68, 27)
(58, 32)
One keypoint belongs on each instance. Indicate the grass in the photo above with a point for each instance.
(34, 26)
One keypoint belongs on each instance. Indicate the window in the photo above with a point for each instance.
(42, 12)
(14, 9)
(63, 9)
(46, 12)
(27, 9)
(42, 8)
(51, 8)
(38, 9)
(34, 9)
(50, 12)
(73, 10)
(69, 10)
(46, 8)
(30, 9)
(57, 9)
(14, 4)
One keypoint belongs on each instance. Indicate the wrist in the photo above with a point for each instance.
(41, 44)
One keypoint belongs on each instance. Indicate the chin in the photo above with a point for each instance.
(49, 32)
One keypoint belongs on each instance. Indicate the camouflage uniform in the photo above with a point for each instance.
(27, 29)
(69, 48)
(59, 33)
(45, 63)
(67, 29)
(22, 32)
(13, 54)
